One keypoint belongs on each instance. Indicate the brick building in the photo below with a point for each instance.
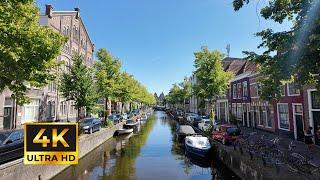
(46, 103)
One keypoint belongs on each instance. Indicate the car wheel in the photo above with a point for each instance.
(90, 131)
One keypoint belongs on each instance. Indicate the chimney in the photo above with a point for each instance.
(49, 10)
(78, 12)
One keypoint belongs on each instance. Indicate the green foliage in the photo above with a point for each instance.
(179, 92)
(77, 85)
(212, 80)
(291, 55)
(27, 50)
(107, 123)
(107, 74)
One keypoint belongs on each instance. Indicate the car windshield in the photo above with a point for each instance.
(207, 122)
(87, 121)
(110, 117)
(233, 131)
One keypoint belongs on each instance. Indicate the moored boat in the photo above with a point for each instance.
(124, 131)
(183, 131)
(198, 145)
(130, 124)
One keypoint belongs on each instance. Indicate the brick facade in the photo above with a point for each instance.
(47, 103)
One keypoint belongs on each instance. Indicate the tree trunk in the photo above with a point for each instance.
(106, 110)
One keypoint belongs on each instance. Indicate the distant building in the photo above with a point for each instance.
(46, 103)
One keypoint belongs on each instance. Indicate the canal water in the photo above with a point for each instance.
(150, 153)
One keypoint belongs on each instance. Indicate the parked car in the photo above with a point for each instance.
(190, 117)
(11, 145)
(226, 133)
(124, 116)
(90, 125)
(205, 124)
(196, 120)
(114, 118)
(119, 116)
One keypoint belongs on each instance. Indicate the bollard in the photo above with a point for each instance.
(39, 177)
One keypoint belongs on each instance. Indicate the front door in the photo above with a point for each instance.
(7, 118)
(299, 125)
(316, 123)
(297, 112)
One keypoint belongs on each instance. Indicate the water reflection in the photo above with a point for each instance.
(150, 153)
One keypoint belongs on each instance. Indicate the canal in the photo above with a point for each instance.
(150, 153)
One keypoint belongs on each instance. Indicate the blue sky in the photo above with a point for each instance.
(155, 39)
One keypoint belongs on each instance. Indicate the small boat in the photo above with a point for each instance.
(198, 145)
(124, 131)
(183, 131)
(130, 124)
(144, 117)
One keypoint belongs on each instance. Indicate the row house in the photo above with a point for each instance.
(46, 103)
(297, 109)
(222, 106)
(311, 111)
(284, 117)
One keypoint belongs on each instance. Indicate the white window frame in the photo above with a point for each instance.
(245, 91)
(279, 116)
(294, 113)
(268, 108)
(239, 88)
(234, 91)
(288, 91)
(35, 108)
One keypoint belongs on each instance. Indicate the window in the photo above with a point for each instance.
(52, 87)
(51, 109)
(254, 90)
(257, 115)
(259, 89)
(222, 111)
(269, 117)
(293, 89)
(234, 110)
(63, 108)
(72, 108)
(31, 111)
(315, 100)
(282, 90)
(263, 116)
(239, 91)
(245, 89)
(283, 114)
(234, 91)
(239, 111)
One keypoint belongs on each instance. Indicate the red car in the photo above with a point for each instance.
(226, 133)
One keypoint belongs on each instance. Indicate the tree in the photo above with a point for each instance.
(186, 90)
(124, 90)
(77, 85)
(107, 74)
(291, 55)
(212, 80)
(175, 96)
(27, 50)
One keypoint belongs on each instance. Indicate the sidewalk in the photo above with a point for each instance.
(301, 147)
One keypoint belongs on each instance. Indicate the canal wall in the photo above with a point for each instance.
(87, 142)
(246, 167)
